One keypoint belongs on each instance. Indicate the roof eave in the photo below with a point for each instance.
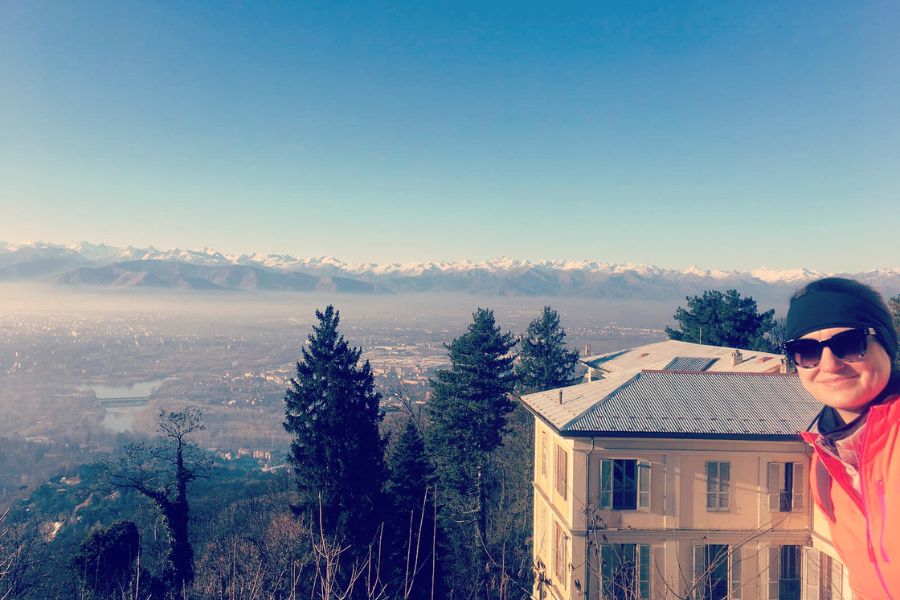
(759, 437)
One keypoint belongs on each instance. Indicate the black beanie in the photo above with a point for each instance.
(839, 302)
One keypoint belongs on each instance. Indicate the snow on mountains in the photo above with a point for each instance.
(88, 264)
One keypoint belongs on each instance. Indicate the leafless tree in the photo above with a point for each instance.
(161, 473)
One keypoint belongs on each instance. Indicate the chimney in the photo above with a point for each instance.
(586, 351)
(786, 368)
(736, 357)
(560, 396)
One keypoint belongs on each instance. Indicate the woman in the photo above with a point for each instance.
(842, 339)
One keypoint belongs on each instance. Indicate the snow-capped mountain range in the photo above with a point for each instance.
(89, 264)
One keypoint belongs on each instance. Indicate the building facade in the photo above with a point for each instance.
(677, 472)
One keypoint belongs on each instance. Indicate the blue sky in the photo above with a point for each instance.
(726, 135)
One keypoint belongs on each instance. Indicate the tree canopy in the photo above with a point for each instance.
(544, 361)
(337, 453)
(468, 413)
(724, 319)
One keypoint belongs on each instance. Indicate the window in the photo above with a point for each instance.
(560, 556)
(717, 572)
(625, 571)
(718, 479)
(784, 573)
(543, 454)
(824, 576)
(562, 471)
(624, 484)
(786, 485)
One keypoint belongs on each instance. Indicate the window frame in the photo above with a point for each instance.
(562, 472)
(786, 486)
(560, 554)
(610, 492)
(640, 578)
(718, 487)
(733, 566)
(776, 567)
(544, 454)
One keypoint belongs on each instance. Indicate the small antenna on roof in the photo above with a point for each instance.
(560, 396)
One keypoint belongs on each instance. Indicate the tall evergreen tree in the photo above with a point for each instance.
(468, 411)
(894, 305)
(544, 361)
(337, 454)
(410, 531)
(724, 319)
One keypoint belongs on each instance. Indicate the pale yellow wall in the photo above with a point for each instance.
(677, 518)
(678, 483)
(550, 507)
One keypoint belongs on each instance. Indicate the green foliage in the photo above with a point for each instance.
(544, 361)
(894, 305)
(105, 562)
(470, 401)
(468, 413)
(410, 472)
(410, 529)
(337, 453)
(728, 319)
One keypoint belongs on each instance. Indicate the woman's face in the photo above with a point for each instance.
(846, 386)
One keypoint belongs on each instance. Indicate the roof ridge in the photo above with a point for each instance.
(767, 373)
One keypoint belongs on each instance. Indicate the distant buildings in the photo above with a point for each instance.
(677, 472)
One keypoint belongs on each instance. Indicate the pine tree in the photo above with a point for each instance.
(410, 532)
(728, 319)
(468, 411)
(894, 305)
(544, 362)
(337, 454)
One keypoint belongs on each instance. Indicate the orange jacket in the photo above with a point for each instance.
(865, 527)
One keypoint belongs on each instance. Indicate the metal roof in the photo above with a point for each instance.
(702, 403)
(676, 402)
(689, 363)
(660, 354)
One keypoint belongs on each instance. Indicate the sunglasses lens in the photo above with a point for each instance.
(850, 345)
(806, 353)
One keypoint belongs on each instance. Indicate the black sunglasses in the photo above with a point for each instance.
(849, 346)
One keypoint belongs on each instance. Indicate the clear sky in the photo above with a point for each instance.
(728, 135)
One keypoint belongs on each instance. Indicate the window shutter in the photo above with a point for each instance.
(643, 477)
(543, 453)
(799, 488)
(724, 485)
(562, 472)
(606, 568)
(644, 571)
(812, 558)
(775, 483)
(700, 574)
(712, 488)
(606, 484)
(837, 579)
(774, 571)
(736, 582)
